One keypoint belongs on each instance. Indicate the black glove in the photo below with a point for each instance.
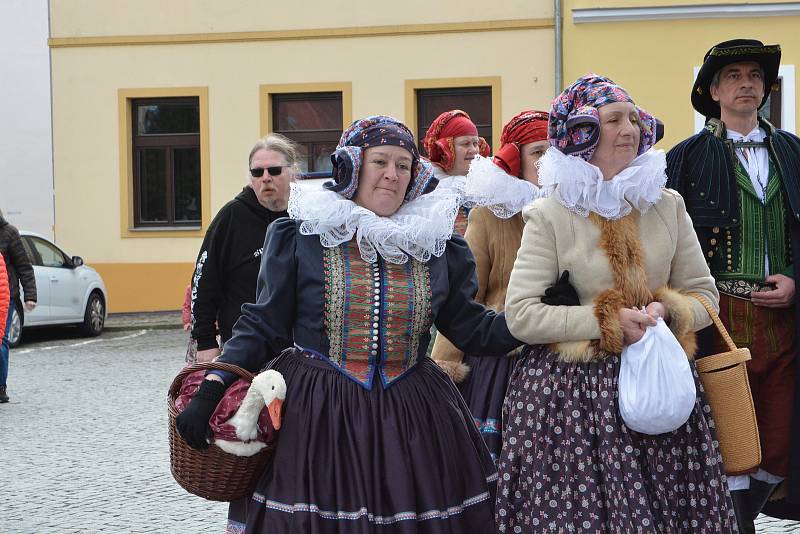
(192, 422)
(562, 293)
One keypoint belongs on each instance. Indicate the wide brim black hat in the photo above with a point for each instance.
(734, 51)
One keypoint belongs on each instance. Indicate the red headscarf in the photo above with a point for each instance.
(438, 141)
(527, 127)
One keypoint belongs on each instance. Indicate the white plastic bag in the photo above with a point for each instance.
(656, 386)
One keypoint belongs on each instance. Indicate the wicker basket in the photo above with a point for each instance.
(211, 473)
(724, 378)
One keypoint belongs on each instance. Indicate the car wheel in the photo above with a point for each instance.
(94, 317)
(15, 329)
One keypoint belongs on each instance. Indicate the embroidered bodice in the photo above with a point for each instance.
(368, 320)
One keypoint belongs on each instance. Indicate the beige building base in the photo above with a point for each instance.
(138, 287)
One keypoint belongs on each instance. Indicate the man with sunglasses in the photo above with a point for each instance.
(227, 266)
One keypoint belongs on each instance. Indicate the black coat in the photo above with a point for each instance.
(701, 169)
(227, 267)
(18, 263)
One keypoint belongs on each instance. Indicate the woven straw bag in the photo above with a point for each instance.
(724, 378)
(211, 473)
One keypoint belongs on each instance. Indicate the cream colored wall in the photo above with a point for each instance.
(654, 60)
(80, 18)
(86, 81)
(586, 4)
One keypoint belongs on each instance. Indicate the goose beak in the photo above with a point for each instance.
(274, 410)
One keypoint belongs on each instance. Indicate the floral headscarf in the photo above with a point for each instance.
(575, 122)
(374, 131)
(438, 141)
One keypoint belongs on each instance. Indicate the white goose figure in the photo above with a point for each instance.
(267, 389)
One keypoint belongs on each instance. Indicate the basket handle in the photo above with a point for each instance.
(221, 366)
(717, 321)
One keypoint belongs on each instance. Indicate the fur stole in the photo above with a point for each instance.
(619, 239)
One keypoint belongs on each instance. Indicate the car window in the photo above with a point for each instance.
(50, 254)
(26, 244)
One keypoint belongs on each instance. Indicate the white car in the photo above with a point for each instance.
(68, 292)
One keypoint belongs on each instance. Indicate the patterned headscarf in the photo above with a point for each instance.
(526, 127)
(438, 141)
(374, 131)
(575, 122)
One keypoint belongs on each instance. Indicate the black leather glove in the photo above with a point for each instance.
(192, 422)
(562, 293)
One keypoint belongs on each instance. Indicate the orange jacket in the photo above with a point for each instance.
(5, 296)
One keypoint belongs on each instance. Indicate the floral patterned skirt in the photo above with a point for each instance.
(569, 463)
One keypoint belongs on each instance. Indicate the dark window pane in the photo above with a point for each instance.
(302, 157)
(186, 172)
(152, 185)
(29, 251)
(476, 101)
(772, 107)
(322, 156)
(178, 117)
(310, 111)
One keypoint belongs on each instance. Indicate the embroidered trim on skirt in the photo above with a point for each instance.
(403, 460)
(484, 391)
(569, 463)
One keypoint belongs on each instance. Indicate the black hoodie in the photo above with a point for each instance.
(17, 261)
(227, 266)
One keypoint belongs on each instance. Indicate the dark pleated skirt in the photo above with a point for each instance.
(484, 391)
(569, 463)
(402, 460)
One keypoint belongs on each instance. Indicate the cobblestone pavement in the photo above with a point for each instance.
(83, 442)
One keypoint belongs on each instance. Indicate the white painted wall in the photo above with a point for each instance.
(26, 168)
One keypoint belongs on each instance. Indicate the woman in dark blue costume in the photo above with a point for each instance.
(375, 436)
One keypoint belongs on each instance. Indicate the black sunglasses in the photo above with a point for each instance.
(273, 171)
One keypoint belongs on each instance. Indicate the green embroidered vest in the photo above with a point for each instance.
(739, 251)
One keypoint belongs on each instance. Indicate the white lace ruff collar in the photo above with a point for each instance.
(488, 185)
(579, 186)
(420, 228)
(505, 195)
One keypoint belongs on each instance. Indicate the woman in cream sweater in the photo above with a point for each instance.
(494, 242)
(568, 462)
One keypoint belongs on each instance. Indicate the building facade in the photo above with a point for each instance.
(26, 165)
(654, 49)
(157, 104)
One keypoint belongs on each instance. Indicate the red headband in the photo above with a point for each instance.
(458, 126)
(438, 140)
(527, 127)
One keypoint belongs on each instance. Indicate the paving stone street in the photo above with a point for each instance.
(83, 443)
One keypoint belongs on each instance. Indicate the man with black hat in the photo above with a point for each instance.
(740, 178)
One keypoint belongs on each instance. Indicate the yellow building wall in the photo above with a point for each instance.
(150, 270)
(83, 18)
(655, 59)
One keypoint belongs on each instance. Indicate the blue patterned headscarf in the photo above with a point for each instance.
(374, 131)
(574, 126)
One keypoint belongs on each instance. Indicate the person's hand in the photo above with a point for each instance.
(562, 293)
(780, 297)
(634, 322)
(192, 423)
(187, 327)
(30, 305)
(207, 355)
(656, 309)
